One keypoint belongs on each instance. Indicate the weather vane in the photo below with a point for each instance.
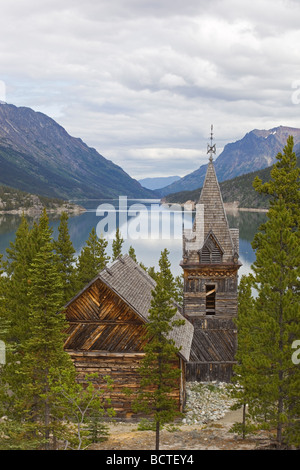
(211, 148)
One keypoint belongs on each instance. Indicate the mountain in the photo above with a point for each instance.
(157, 183)
(38, 155)
(238, 190)
(256, 150)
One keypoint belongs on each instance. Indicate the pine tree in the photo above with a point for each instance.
(117, 244)
(244, 388)
(132, 254)
(37, 338)
(269, 324)
(92, 259)
(157, 367)
(19, 256)
(285, 182)
(65, 259)
(14, 328)
(43, 356)
(276, 275)
(174, 285)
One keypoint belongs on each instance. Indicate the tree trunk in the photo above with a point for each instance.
(244, 420)
(157, 435)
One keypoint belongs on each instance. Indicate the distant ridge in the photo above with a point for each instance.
(159, 182)
(255, 151)
(38, 155)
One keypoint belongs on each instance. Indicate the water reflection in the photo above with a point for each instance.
(147, 250)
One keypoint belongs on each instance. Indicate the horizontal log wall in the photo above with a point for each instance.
(122, 368)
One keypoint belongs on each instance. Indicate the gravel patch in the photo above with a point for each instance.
(206, 402)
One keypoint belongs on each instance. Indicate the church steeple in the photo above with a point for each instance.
(215, 219)
(210, 218)
(210, 269)
(210, 250)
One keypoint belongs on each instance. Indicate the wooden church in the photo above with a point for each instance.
(210, 264)
(106, 320)
(106, 332)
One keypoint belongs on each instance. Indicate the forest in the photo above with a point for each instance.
(42, 406)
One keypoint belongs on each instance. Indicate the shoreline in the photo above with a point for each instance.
(228, 206)
(34, 211)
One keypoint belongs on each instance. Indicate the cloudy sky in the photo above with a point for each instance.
(143, 80)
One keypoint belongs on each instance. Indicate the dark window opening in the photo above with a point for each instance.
(210, 299)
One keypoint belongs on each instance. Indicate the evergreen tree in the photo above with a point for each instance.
(178, 286)
(92, 259)
(117, 245)
(14, 311)
(43, 353)
(132, 254)
(174, 285)
(269, 323)
(245, 389)
(65, 259)
(157, 368)
(285, 182)
(19, 256)
(276, 276)
(165, 271)
(37, 340)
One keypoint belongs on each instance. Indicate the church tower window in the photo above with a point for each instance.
(210, 299)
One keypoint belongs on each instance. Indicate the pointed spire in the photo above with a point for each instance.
(215, 218)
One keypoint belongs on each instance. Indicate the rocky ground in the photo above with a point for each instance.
(205, 426)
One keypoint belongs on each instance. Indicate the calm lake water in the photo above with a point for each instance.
(144, 224)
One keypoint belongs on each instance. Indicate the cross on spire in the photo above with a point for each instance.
(211, 149)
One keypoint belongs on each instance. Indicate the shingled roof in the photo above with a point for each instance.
(134, 286)
(215, 218)
(210, 219)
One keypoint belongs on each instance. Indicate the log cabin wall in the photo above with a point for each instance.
(122, 368)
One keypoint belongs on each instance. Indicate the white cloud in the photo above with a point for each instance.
(149, 77)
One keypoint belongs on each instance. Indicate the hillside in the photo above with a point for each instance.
(255, 151)
(237, 189)
(15, 201)
(37, 154)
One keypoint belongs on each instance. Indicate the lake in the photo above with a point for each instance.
(144, 224)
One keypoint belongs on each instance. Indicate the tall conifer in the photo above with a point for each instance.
(117, 244)
(30, 374)
(157, 368)
(276, 273)
(271, 322)
(65, 259)
(43, 353)
(92, 259)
